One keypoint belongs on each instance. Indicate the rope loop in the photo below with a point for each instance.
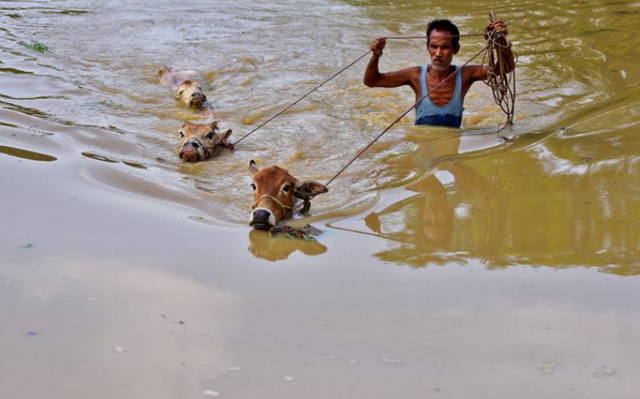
(501, 71)
(285, 208)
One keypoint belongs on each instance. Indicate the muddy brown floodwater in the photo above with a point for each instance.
(453, 264)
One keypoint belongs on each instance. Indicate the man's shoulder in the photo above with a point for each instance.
(473, 72)
(412, 73)
(412, 70)
(471, 68)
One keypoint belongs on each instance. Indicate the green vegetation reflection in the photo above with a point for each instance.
(24, 154)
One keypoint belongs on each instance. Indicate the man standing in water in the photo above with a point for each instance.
(443, 106)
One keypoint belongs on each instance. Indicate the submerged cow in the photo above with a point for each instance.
(199, 141)
(188, 85)
(275, 192)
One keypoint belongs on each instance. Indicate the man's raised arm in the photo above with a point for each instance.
(372, 75)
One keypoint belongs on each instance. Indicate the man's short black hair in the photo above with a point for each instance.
(444, 24)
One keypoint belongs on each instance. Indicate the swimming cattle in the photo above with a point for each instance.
(275, 193)
(189, 86)
(199, 141)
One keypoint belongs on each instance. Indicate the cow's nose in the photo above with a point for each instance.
(262, 219)
(197, 99)
(193, 144)
(261, 215)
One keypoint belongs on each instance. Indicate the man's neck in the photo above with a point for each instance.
(440, 75)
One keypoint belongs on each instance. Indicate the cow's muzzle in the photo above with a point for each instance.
(192, 151)
(262, 219)
(197, 100)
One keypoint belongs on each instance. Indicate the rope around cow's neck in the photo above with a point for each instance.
(336, 74)
(286, 209)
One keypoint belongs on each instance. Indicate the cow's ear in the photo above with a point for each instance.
(253, 169)
(309, 189)
(226, 137)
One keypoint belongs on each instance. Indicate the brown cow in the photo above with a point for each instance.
(198, 141)
(188, 85)
(275, 193)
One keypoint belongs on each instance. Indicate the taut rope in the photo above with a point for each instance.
(336, 74)
(302, 98)
(501, 77)
(404, 114)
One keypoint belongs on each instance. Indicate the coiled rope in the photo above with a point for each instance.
(403, 115)
(501, 74)
(501, 78)
(335, 75)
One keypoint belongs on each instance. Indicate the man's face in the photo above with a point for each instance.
(441, 49)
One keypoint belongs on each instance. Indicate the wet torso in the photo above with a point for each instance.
(443, 106)
(443, 94)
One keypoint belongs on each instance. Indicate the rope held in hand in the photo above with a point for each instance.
(333, 76)
(502, 83)
(404, 114)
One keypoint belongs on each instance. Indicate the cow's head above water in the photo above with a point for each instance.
(275, 191)
(198, 140)
(191, 94)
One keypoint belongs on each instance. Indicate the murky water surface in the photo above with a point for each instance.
(453, 263)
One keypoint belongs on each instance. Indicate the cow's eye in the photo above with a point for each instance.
(253, 186)
(286, 188)
(181, 133)
(209, 136)
(180, 92)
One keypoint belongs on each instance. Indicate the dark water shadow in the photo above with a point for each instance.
(25, 154)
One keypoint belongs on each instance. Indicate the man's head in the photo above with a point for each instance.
(443, 42)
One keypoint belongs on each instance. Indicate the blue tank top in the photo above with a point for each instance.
(427, 113)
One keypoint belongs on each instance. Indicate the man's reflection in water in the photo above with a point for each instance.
(424, 223)
(437, 214)
(273, 249)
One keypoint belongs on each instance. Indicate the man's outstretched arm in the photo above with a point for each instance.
(372, 75)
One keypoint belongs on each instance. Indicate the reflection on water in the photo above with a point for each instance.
(117, 244)
(553, 204)
(264, 246)
(423, 222)
(426, 221)
(562, 194)
(25, 154)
